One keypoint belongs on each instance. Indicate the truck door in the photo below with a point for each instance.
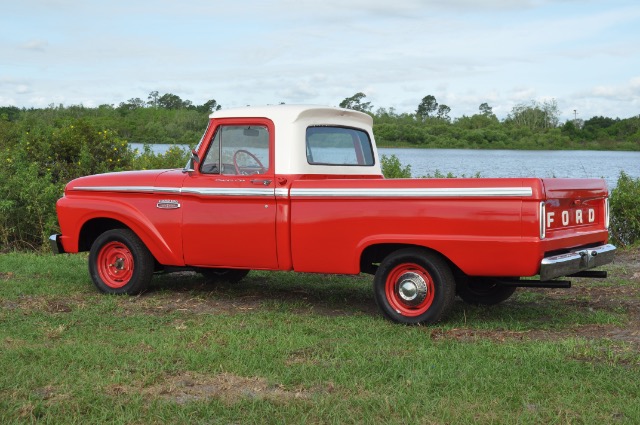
(229, 210)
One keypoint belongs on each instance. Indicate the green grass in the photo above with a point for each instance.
(290, 348)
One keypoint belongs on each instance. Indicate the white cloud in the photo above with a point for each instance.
(35, 45)
(625, 92)
(464, 52)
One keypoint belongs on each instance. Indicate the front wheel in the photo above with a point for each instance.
(413, 286)
(120, 263)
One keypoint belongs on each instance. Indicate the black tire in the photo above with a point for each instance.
(483, 290)
(224, 275)
(120, 263)
(414, 286)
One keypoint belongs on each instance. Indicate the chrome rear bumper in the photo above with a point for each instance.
(576, 261)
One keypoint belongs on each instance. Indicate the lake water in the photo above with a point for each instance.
(516, 163)
(509, 163)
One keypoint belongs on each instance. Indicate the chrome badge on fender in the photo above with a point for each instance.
(168, 204)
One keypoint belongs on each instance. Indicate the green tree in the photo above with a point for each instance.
(209, 106)
(152, 99)
(133, 103)
(443, 113)
(535, 116)
(9, 113)
(356, 103)
(486, 110)
(171, 101)
(427, 107)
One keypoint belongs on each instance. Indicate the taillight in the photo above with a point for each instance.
(606, 213)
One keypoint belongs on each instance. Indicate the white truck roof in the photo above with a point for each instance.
(291, 123)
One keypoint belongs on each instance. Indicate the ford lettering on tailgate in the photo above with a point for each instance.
(579, 215)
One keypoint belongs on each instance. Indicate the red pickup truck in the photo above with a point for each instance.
(300, 188)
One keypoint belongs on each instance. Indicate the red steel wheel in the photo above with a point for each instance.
(414, 286)
(409, 289)
(115, 264)
(120, 263)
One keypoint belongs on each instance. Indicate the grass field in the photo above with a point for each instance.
(289, 348)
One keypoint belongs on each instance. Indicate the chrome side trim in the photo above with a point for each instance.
(282, 193)
(415, 192)
(606, 214)
(325, 192)
(219, 191)
(137, 189)
(576, 261)
(204, 191)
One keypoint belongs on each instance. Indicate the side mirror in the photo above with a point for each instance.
(190, 167)
(194, 156)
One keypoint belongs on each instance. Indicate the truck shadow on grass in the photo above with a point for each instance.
(610, 310)
(329, 295)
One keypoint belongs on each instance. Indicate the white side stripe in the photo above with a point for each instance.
(204, 191)
(219, 191)
(415, 192)
(143, 189)
(320, 192)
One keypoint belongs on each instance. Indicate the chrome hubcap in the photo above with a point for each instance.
(412, 288)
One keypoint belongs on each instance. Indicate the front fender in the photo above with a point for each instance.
(161, 235)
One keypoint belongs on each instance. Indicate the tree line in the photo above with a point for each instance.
(167, 118)
(533, 125)
(43, 149)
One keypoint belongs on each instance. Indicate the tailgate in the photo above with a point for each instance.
(575, 206)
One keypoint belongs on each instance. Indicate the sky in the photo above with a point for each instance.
(584, 54)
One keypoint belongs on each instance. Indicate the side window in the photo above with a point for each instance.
(338, 146)
(236, 150)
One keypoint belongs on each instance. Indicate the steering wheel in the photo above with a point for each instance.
(255, 158)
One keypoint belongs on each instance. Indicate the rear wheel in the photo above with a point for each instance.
(414, 286)
(483, 290)
(120, 263)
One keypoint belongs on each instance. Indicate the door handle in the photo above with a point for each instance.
(262, 182)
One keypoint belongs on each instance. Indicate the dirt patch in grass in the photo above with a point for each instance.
(48, 304)
(202, 303)
(229, 388)
(629, 334)
(186, 292)
(6, 276)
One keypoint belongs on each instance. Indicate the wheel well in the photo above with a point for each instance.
(94, 228)
(374, 254)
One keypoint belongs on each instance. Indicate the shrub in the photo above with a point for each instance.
(625, 211)
(36, 165)
(174, 157)
(392, 168)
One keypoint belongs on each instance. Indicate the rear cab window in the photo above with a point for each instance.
(338, 146)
